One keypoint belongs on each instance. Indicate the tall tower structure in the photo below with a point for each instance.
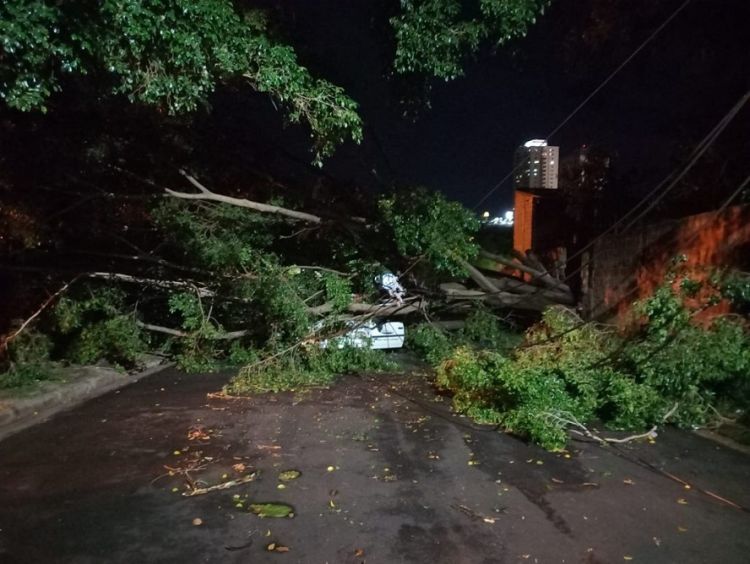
(536, 165)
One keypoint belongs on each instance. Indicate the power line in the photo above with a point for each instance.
(588, 98)
(734, 195)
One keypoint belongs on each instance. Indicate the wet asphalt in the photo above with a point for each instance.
(388, 475)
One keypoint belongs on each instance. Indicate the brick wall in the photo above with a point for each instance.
(624, 268)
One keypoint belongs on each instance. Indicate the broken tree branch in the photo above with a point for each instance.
(499, 298)
(178, 333)
(223, 486)
(454, 291)
(37, 313)
(538, 274)
(575, 426)
(375, 309)
(482, 281)
(205, 194)
(202, 291)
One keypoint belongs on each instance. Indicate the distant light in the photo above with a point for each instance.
(486, 215)
(536, 143)
(506, 220)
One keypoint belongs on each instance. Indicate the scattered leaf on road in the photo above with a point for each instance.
(275, 510)
(198, 434)
(289, 475)
(197, 521)
(682, 501)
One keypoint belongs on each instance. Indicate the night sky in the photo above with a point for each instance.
(668, 97)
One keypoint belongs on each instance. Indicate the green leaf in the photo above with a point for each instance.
(289, 475)
(275, 510)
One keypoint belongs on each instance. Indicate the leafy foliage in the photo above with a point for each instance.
(427, 225)
(433, 36)
(429, 342)
(736, 288)
(168, 53)
(97, 326)
(482, 329)
(29, 361)
(568, 372)
(217, 237)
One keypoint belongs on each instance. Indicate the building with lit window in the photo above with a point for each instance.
(536, 165)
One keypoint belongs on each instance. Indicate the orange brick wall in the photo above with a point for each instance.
(523, 220)
(629, 267)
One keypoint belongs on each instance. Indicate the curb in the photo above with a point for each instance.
(17, 414)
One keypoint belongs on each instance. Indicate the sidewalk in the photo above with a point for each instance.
(77, 385)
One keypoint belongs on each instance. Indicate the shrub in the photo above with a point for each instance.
(481, 330)
(97, 326)
(523, 398)
(429, 342)
(485, 329)
(29, 363)
(568, 372)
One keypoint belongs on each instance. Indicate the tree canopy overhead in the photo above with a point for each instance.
(173, 53)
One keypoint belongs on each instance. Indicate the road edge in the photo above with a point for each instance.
(17, 414)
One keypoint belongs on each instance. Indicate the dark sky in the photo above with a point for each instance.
(670, 95)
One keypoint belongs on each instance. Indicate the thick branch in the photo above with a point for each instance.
(537, 274)
(206, 194)
(537, 300)
(376, 309)
(495, 296)
(482, 281)
(177, 333)
(202, 291)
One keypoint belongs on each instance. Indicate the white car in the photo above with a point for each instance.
(373, 334)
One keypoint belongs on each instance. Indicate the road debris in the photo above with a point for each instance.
(274, 510)
(289, 475)
(223, 486)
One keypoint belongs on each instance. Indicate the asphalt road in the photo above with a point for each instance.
(388, 475)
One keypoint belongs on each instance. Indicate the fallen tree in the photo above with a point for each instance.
(226, 275)
(233, 278)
